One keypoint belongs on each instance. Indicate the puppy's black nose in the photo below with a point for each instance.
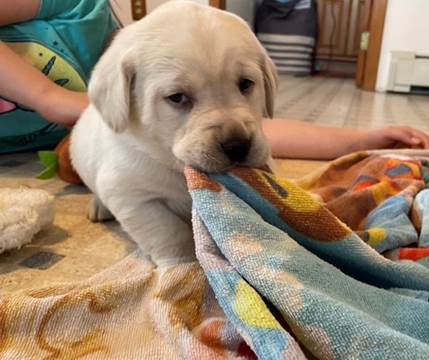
(236, 149)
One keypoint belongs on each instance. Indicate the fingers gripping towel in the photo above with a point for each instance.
(23, 213)
(296, 280)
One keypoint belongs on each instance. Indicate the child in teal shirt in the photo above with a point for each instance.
(63, 40)
(48, 50)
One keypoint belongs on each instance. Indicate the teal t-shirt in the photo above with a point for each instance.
(64, 41)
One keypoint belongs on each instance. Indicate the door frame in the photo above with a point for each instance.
(368, 60)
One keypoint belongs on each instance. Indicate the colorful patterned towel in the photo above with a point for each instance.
(131, 311)
(279, 276)
(293, 278)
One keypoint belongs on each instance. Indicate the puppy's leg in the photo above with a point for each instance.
(97, 212)
(160, 233)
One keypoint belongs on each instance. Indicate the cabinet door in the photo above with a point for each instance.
(334, 21)
(359, 22)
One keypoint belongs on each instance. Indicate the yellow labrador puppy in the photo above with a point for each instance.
(187, 85)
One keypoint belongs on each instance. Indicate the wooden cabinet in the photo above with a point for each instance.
(341, 23)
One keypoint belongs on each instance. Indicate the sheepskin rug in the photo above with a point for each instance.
(23, 213)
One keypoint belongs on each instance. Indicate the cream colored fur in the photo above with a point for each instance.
(131, 145)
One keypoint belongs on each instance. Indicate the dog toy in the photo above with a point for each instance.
(58, 162)
(23, 213)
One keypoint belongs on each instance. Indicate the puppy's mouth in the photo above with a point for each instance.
(226, 155)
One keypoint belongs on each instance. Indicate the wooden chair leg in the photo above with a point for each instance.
(138, 7)
(220, 4)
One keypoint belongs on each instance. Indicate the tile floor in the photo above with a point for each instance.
(337, 102)
(74, 249)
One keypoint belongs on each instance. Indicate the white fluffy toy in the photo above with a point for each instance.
(23, 213)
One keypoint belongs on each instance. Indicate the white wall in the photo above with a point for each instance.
(406, 28)
(152, 4)
(243, 8)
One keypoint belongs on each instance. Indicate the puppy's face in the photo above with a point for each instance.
(191, 83)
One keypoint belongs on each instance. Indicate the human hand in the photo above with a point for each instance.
(62, 106)
(394, 137)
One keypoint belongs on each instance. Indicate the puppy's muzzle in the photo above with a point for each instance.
(236, 149)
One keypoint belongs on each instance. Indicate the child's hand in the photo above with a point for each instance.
(396, 137)
(62, 106)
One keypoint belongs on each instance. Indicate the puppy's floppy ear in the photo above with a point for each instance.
(110, 87)
(270, 84)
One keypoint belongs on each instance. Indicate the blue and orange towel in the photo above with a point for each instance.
(281, 275)
(344, 278)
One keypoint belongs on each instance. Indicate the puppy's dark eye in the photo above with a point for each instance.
(179, 99)
(245, 85)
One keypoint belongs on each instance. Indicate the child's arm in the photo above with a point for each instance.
(12, 11)
(24, 84)
(298, 139)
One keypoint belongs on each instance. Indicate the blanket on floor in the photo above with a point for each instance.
(294, 275)
(338, 271)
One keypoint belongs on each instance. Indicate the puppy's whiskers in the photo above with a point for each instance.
(220, 167)
(211, 158)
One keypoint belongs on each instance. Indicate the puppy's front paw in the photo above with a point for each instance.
(97, 212)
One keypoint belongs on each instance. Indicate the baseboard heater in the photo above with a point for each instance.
(409, 72)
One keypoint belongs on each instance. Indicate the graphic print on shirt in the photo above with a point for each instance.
(49, 63)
